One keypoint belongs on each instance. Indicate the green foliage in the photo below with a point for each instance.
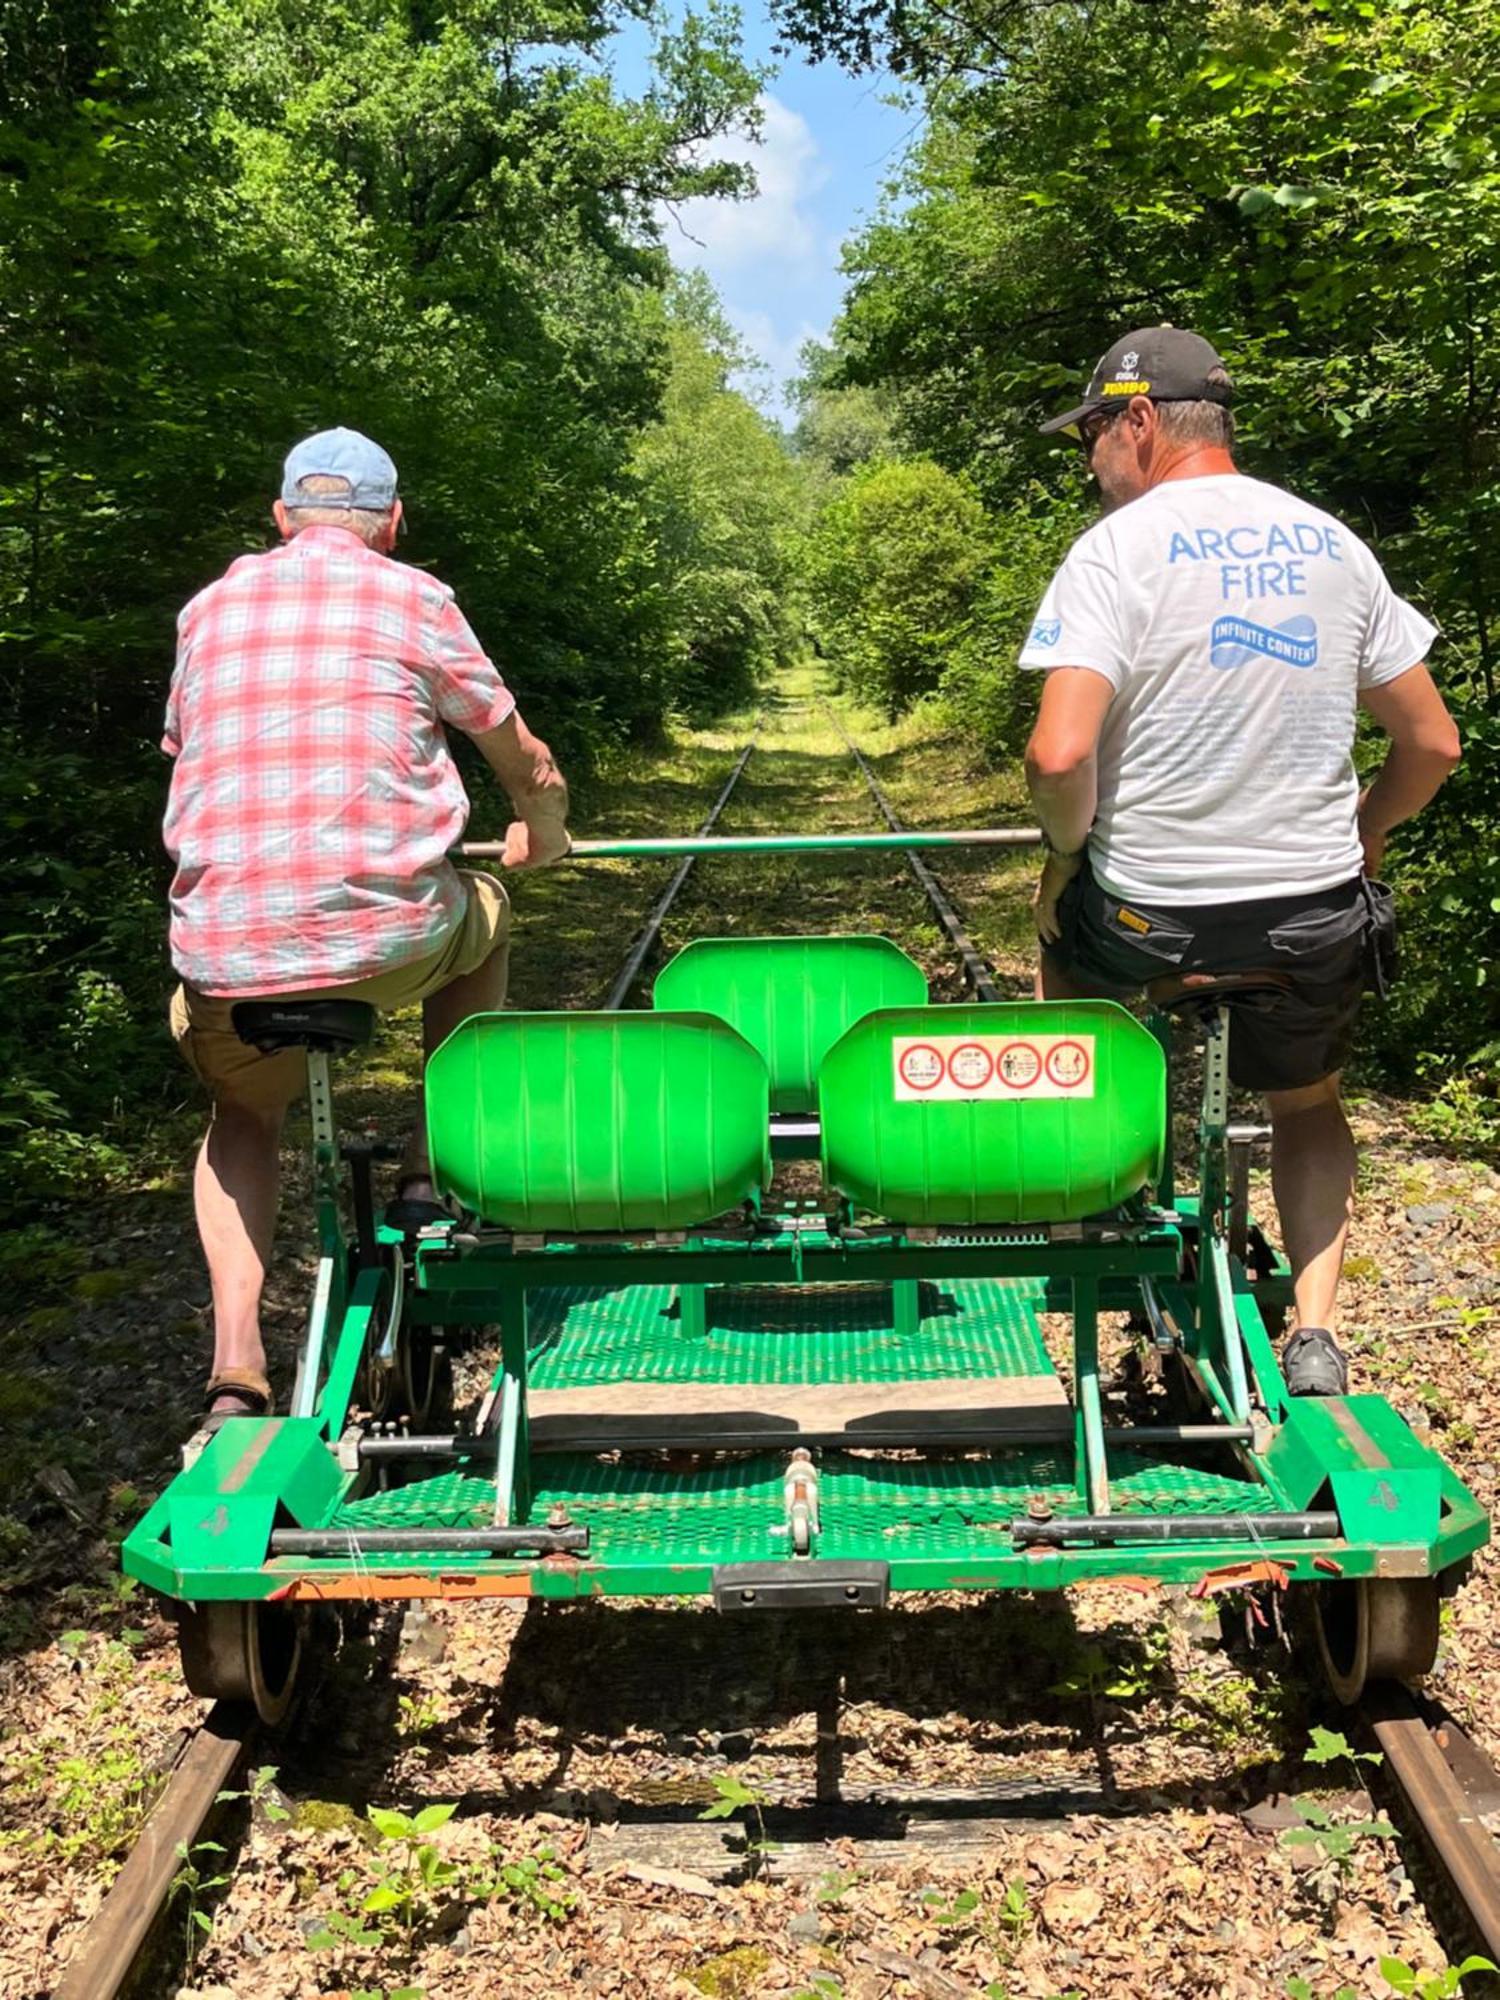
(536, 1884)
(262, 1796)
(1330, 1746)
(412, 1879)
(229, 224)
(192, 1882)
(722, 503)
(736, 1795)
(1334, 1841)
(1401, 1978)
(1318, 190)
(893, 569)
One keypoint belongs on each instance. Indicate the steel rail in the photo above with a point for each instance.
(640, 950)
(1440, 1775)
(110, 1947)
(977, 969)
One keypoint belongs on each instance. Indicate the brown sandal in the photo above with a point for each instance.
(252, 1388)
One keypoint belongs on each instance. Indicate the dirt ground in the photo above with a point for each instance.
(1098, 1789)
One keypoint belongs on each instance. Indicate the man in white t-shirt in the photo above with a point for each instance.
(1206, 646)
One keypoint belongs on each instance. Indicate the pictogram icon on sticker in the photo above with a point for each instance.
(971, 1066)
(1019, 1065)
(1068, 1064)
(921, 1066)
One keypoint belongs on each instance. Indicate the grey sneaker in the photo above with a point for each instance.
(1314, 1363)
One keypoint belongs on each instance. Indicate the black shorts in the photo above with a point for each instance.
(1335, 943)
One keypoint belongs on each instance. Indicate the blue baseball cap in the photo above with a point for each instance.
(340, 454)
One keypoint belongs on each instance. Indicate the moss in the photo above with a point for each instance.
(96, 1287)
(329, 1816)
(23, 1396)
(734, 1975)
(1361, 1268)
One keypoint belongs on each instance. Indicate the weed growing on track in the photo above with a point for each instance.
(821, 1986)
(98, 1796)
(537, 1882)
(413, 1879)
(417, 1716)
(1402, 1980)
(263, 1796)
(735, 1795)
(1335, 1841)
(192, 1883)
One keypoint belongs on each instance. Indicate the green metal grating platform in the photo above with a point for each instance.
(902, 1507)
(776, 1333)
(925, 1509)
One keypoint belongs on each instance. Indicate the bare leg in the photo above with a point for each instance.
(1312, 1173)
(235, 1188)
(481, 991)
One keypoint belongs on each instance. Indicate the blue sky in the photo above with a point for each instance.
(828, 143)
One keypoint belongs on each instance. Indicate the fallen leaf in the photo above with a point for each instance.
(1070, 1909)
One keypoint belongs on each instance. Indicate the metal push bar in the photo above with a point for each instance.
(1110, 1528)
(357, 1542)
(770, 843)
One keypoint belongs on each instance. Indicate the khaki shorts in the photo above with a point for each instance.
(230, 1068)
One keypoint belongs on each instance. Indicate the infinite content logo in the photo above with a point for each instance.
(1238, 642)
(957, 1069)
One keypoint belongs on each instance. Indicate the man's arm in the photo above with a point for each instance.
(1062, 775)
(1424, 749)
(536, 788)
(1062, 772)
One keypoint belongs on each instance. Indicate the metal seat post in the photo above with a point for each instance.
(1216, 1307)
(325, 1180)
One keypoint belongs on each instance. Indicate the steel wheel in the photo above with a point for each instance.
(1373, 1628)
(241, 1652)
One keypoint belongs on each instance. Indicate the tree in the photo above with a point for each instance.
(1317, 189)
(894, 566)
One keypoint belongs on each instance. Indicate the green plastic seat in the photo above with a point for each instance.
(790, 997)
(597, 1121)
(1023, 1112)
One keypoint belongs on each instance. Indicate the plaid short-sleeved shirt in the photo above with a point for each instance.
(313, 798)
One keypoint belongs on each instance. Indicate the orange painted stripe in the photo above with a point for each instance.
(310, 1589)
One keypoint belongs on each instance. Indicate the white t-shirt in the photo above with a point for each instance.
(1236, 625)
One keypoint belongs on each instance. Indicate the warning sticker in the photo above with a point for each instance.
(919, 1068)
(993, 1068)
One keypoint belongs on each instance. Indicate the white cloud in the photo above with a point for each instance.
(768, 249)
(775, 227)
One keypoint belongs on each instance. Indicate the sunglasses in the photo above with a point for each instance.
(1092, 428)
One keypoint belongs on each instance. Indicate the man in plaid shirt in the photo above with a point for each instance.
(312, 806)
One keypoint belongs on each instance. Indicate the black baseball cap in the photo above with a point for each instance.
(1166, 363)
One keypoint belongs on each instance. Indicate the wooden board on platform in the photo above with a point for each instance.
(949, 1411)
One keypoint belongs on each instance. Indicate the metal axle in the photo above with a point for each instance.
(1109, 1528)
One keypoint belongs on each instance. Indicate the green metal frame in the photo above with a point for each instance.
(921, 1302)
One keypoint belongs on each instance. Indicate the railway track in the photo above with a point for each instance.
(1442, 1785)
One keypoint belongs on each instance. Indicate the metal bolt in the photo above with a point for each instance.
(747, 1597)
(558, 1515)
(851, 1591)
(1037, 1508)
